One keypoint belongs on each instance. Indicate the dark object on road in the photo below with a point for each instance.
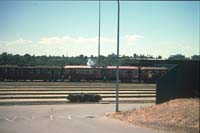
(84, 97)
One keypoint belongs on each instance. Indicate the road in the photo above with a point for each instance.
(68, 118)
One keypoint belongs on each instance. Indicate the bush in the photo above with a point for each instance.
(84, 97)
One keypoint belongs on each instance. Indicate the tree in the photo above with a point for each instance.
(195, 57)
(4, 58)
(177, 57)
(135, 55)
(159, 57)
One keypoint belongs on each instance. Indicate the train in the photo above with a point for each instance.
(81, 73)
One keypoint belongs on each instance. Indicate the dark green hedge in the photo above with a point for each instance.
(84, 97)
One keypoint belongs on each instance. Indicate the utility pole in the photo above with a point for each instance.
(99, 41)
(117, 71)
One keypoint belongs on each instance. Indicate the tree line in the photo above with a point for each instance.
(32, 60)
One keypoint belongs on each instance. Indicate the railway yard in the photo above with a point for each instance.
(56, 92)
(43, 107)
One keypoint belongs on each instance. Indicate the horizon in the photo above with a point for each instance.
(147, 57)
(71, 28)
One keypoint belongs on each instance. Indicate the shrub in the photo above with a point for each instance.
(84, 97)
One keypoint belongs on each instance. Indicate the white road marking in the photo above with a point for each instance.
(10, 120)
(32, 117)
(51, 117)
(69, 117)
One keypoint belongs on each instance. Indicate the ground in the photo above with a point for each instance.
(67, 118)
(179, 115)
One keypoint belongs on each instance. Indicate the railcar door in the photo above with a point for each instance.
(1, 74)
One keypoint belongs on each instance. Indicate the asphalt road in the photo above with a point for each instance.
(69, 118)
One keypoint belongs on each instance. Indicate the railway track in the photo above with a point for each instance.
(51, 93)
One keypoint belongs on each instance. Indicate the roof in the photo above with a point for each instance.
(153, 68)
(82, 67)
(14, 66)
(122, 67)
(108, 67)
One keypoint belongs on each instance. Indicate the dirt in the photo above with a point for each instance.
(179, 115)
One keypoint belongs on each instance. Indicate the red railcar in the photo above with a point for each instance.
(151, 74)
(78, 73)
(81, 73)
(16, 73)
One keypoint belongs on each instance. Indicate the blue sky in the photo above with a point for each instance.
(71, 28)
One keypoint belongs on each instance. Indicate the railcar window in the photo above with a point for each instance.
(66, 71)
(57, 71)
(98, 72)
(44, 71)
(37, 71)
(6, 70)
(123, 73)
(20, 71)
(31, 71)
(82, 71)
(49, 71)
(91, 71)
(12, 71)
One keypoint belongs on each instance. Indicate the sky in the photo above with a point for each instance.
(70, 28)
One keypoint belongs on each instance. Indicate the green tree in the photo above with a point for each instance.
(195, 57)
(177, 57)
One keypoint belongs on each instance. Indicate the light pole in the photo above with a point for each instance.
(99, 41)
(117, 71)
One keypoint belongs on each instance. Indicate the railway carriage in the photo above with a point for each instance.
(151, 74)
(126, 73)
(80, 73)
(25, 73)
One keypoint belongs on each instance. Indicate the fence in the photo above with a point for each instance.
(181, 82)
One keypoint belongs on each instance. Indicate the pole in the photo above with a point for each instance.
(99, 32)
(117, 71)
